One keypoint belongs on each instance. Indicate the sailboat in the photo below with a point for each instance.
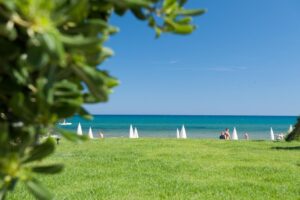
(183, 132)
(79, 129)
(135, 133)
(272, 134)
(91, 133)
(65, 123)
(131, 133)
(234, 134)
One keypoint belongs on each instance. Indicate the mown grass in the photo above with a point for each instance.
(119, 168)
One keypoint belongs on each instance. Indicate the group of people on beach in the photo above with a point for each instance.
(225, 135)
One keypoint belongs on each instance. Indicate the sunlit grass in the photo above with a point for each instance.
(174, 169)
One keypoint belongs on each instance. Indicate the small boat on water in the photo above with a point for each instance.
(65, 123)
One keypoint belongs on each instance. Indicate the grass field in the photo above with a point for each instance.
(174, 169)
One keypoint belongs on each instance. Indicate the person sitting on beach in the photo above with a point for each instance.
(222, 136)
(227, 134)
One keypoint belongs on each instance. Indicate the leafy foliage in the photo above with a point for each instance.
(295, 134)
(50, 53)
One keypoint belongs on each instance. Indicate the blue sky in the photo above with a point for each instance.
(243, 59)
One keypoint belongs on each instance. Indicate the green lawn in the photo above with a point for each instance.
(119, 168)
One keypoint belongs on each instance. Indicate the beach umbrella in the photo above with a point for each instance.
(91, 133)
(290, 129)
(135, 133)
(272, 134)
(177, 134)
(234, 134)
(183, 133)
(79, 129)
(131, 134)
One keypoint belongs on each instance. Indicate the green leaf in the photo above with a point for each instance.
(10, 52)
(158, 31)
(184, 21)
(98, 82)
(71, 136)
(52, 41)
(179, 28)
(85, 114)
(151, 22)
(182, 2)
(41, 151)
(38, 190)
(8, 30)
(195, 12)
(168, 3)
(131, 3)
(92, 28)
(3, 133)
(79, 41)
(37, 56)
(120, 11)
(138, 13)
(51, 169)
(72, 11)
(170, 6)
(3, 192)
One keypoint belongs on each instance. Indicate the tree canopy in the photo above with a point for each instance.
(50, 56)
(295, 134)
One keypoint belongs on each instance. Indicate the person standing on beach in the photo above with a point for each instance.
(227, 134)
(246, 136)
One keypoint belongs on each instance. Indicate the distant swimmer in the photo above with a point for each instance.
(246, 136)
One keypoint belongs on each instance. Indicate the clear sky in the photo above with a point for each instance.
(242, 60)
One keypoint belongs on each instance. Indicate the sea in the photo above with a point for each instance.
(197, 126)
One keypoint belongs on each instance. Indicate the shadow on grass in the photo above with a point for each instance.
(287, 148)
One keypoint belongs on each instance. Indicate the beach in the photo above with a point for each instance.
(197, 126)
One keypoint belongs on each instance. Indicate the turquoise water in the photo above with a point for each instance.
(257, 127)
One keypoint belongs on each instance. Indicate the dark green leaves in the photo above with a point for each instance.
(98, 82)
(8, 30)
(50, 52)
(195, 12)
(170, 12)
(67, 98)
(50, 169)
(40, 151)
(46, 48)
(3, 133)
(38, 190)
(9, 50)
(72, 136)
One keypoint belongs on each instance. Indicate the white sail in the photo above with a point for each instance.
(135, 133)
(79, 129)
(272, 134)
(131, 134)
(234, 134)
(183, 132)
(91, 136)
(290, 129)
(177, 134)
